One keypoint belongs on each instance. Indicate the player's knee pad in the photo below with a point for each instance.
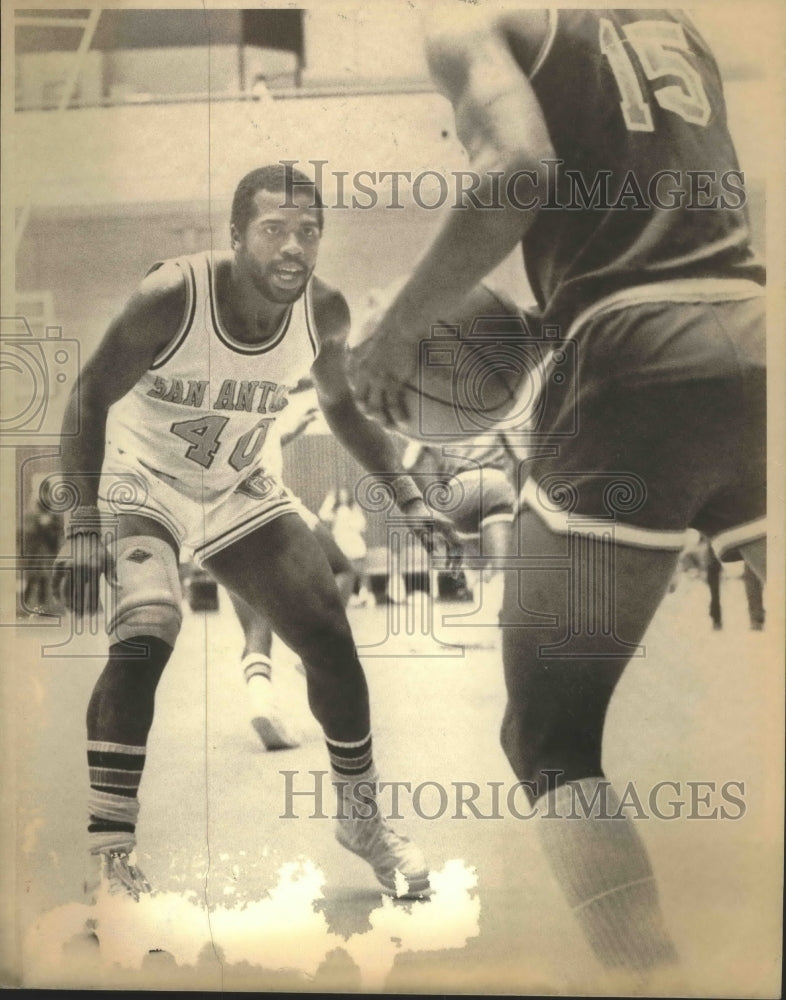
(146, 590)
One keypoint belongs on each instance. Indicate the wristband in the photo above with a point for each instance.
(405, 489)
(86, 516)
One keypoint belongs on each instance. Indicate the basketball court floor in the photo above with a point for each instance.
(248, 900)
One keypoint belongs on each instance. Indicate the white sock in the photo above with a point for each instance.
(604, 872)
(256, 665)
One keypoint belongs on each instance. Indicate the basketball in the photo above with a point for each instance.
(479, 371)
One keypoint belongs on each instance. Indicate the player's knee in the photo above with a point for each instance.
(532, 744)
(546, 750)
(327, 640)
(147, 592)
(521, 749)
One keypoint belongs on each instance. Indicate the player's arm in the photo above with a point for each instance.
(364, 439)
(144, 327)
(374, 447)
(500, 123)
(421, 463)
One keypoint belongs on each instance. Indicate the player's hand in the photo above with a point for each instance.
(76, 574)
(381, 360)
(436, 534)
(450, 546)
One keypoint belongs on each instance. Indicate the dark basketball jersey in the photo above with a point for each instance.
(648, 187)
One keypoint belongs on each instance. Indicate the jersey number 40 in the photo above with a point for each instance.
(659, 47)
(204, 437)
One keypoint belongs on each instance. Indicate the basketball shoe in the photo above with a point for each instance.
(267, 717)
(111, 872)
(117, 873)
(398, 864)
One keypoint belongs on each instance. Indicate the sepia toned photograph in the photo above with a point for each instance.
(391, 441)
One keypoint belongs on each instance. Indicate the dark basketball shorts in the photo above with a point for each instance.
(662, 426)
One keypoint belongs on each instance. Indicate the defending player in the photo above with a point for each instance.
(603, 135)
(175, 407)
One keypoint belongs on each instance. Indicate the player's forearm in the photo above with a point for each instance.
(374, 448)
(364, 439)
(82, 454)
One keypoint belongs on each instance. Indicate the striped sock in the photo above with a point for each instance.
(354, 779)
(350, 761)
(603, 869)
(256, 665)
(115, 773)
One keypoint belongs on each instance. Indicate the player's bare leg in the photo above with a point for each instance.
(257, 633)
(552, 735)
(755, 555)
(340, 566)
(714, 571)
(754, 578)
(120, 711)
(297, 593)
(268, 716)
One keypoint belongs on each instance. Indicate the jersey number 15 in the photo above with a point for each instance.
(659, 46)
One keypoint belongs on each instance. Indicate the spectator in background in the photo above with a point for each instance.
(698, 560)
(41, 535)
(754, 591)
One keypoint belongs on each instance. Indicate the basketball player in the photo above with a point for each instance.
(175, 406)
(602, 135)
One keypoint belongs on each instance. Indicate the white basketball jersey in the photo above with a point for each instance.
(199, 417)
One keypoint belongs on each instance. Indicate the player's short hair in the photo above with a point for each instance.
(275, 177)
